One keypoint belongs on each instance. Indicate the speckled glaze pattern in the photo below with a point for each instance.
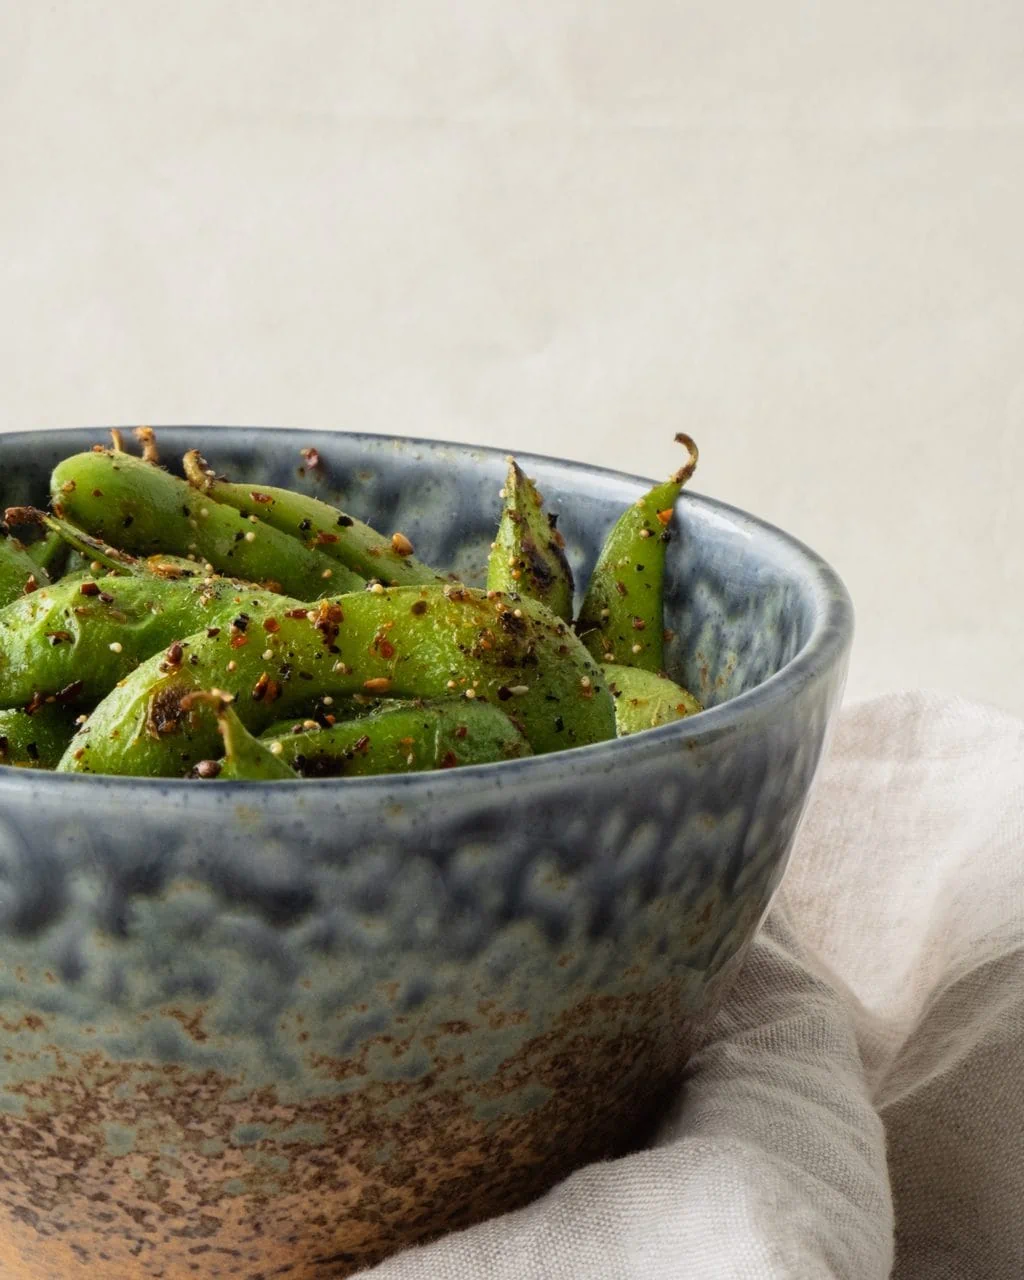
(259, 1031)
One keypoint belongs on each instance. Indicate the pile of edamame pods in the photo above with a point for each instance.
(156, 626)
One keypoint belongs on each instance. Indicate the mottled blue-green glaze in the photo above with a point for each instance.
(306, 1024)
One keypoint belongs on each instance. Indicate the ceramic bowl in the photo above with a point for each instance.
(255, 1031)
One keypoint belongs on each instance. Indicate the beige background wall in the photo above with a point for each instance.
(796, 230)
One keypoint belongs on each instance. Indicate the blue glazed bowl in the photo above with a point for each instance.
(255, 1031)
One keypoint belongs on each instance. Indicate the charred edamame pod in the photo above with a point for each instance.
(401, 739)
(429, 642)
(136, 506)
(527, 555)
(80, 636)
(644, 700)
(621, 620)
(318, 526)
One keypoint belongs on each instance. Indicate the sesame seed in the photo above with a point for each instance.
(328, 701)
(502, 493)
(204, 512)
(636, 648)
(606, 613)
(310, 725)
(267, 654)
(585, 682)
(232, 665)
(452, 684)
(276, 748)
(341, 669)
(327, 573)
(250, 536)
(377, 588)
(517, 613)
(470, 693)
(96, 567)
(645, 533)
(519, 689)
(116, 646)
(254, 519)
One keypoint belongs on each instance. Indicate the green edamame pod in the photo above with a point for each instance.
(36, 740)
(85, 634)
(621, 618)
(403, 739)
(19, 573)
(319, 526)
(643, 700)
(527, 556)
(246, 759)
(407, 642)
(49, 553)
(137, 507)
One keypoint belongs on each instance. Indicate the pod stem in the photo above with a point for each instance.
(688, 468)
(94, 548)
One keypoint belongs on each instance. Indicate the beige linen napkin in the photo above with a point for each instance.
(859, 1109)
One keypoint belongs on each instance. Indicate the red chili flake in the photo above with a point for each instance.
(89, 589)
(620, 587)
(238, 641)
(328, 618)
(212, 632)
(665, 516)
(207, 769)
(296, 613)
(379, 684)
(449, 760)
(35, 702)
(265, 689)
(312, 457)
(261, 497)
(361, 744)
(60, 637)
(175, 654)
(639, 624)
(382, 646)
(461, 731)
(271, 625)
(106, 597)
(30, 584)
(324, 538)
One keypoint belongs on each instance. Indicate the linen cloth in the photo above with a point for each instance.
(858, 1110)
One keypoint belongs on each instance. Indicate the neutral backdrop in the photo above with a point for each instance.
(795, 230)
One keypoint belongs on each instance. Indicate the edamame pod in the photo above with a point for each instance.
(136, 506)
(644, 700)
(246, 759)
(82, 635)
(319, 526)
(527, 555)
(427, 642)
(402, 739)
(36, 740)
(621, 618)
(19, 573)
(50, 553)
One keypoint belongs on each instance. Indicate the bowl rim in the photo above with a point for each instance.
(826, 647)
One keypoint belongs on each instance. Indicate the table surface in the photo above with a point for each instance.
(792, 230)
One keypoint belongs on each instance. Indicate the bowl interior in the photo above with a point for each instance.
(739, 601)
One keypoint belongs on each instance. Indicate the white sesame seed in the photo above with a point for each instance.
(377, 588)
(250, 536)
(311, 615)
(645, 533)
(502, 493)
(96, 567)
(327, 573)
(232, 665)
(340, 668)
(606, 613)
(409, 758)
(254, 519)
(585, 682)
(310, 724)
(276, 748)
(267, 654)
(116, 646)
(470, 693)
(452, 684)
(517, 613)
(608, 657)
(519, 689)
(193, 524)
(203, 512)
(328, 701)
(637, 648)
